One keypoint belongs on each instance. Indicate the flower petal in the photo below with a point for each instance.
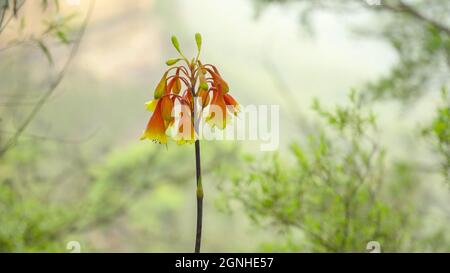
(156, 129)
(151, 105)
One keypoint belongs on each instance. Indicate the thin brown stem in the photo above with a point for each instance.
(198, 236)
(199, 192)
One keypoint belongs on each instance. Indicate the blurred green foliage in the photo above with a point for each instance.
(415, 71)
(346, 189)
(340, 194)
(439, 134)
(41, 210)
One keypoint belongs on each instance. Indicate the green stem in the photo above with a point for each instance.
(198, 237)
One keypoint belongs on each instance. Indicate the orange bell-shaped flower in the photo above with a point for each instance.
(156, 127)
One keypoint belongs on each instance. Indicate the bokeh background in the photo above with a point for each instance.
(74, 77)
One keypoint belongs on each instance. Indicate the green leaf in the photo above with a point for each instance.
(173, 61)
(45, 50)
(198, 40)
(62, 37)
(176, 44)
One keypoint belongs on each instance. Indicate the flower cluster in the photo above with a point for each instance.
(183, 95)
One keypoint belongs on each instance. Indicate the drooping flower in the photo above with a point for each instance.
(218, 111)
(199, 82)
(186, 131)
(232, 104)
(156, 128)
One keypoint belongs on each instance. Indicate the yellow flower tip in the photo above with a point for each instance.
(184, 141)
(157, 138)
(161, 141)
(151, 105)
(144, 136)
(181, 142)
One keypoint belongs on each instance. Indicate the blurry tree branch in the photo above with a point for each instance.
(407, 9)
(419, 31)
(56, 139)
(4, 6)
(12, 141)
(395, 6)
